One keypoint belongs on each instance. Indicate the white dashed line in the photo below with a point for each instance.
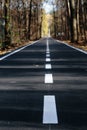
(48, 59)
(48, 78)
(48, 66)
(49, 110)
(47, 55)
(47, 47)
(47, 52)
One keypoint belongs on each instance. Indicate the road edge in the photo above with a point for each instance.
(72, 47)
(16, 50)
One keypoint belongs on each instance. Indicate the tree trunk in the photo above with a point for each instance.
(7, 24)
(69, 22)
(78, 20)
(73, 21)
(29, 25)
(84, 21)
(37, 35)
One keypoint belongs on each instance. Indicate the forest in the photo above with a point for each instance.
(70, 20)
(26, 20)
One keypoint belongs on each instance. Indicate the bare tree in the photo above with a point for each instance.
(7, 23)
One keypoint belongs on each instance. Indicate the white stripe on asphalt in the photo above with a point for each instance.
(48, 66)
(48, 78)
(49, 110)
(48, 59)
(47, 46)
(2, 58)
(48, 52)
(47, 55)
(73, 47)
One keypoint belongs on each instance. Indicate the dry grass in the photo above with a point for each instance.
(80, 45)
(14, 46)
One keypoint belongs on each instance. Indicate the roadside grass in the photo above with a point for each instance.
(14, 46)
(81, 45)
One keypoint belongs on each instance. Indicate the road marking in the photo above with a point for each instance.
(47, 55)
(48, 66)
(47, 52)
(48, 46)
(2, 58)
(48, 59)
(48, 78)
(49, 110)
(73, 47)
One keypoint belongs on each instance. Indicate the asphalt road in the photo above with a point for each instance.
(43, 87)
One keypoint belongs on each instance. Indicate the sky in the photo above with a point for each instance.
(48, 6)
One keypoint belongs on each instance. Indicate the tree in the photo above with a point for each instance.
(76, 19)
(44, 24)
(69, 20)
(23, 20)
(7, 40)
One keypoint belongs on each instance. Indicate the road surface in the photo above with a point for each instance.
(43, 86)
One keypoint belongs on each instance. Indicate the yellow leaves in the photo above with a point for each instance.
(44, 25)
(7, 5)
